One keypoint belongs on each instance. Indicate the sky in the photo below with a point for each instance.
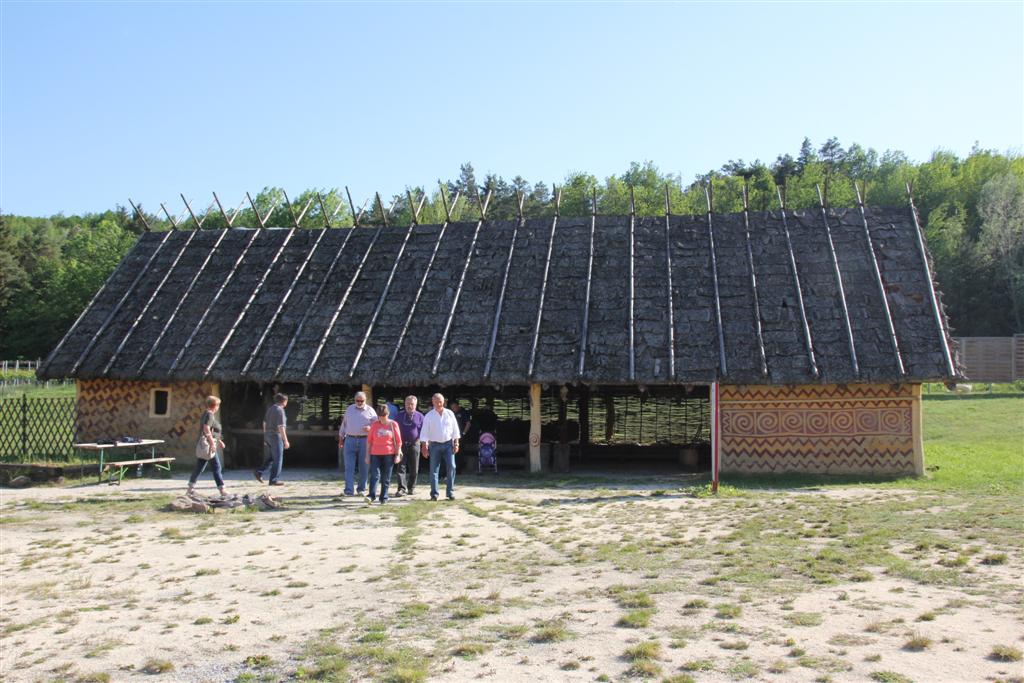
(105, 101)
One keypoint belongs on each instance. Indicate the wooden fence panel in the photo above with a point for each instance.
(992, 359)
(37, 429)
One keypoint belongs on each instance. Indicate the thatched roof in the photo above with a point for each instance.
(302, 305)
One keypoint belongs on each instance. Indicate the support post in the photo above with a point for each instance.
(534, 427)
(715, 436)
(368, 390)
(584, 412)
(562, 455)
(917, 429)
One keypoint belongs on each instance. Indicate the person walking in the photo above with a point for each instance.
(275, 435)
(410, 421)
(439, 440)
(383, 451)
(210, 431)
(352, 439)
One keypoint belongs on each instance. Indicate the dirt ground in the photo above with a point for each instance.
(563, 579)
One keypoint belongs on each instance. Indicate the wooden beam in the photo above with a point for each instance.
(181, 301)
(839, 284)
(501, 294)
(808, 342)
(753, 282)
(917, 429)
(932, 297)
(535, 464)
(893, 341)
(216, 297)
(714, 279)
(149, 302)
(245, 309)
(312, 304)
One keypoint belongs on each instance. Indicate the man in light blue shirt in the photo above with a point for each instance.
(352, 439)
(440, 438)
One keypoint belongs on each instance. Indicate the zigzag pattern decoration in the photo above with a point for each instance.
(108, 409)
(815, 391)
(824, 429)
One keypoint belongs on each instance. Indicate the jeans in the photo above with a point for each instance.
(438, 452)
(201, 467)
(275, 456)
(354, 452)
(380, 470)
(409, 467)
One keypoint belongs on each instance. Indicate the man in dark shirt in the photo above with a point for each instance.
(409, 422)
(461, 416)
(276, 437)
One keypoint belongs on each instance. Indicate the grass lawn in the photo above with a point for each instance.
(973, 443)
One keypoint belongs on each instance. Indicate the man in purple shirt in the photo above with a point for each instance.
(410, 421)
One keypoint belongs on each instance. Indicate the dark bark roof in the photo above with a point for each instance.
(302, 305)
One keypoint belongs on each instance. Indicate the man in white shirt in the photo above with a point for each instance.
(439, 437)
(352, 440)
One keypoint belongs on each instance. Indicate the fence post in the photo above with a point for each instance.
(24, 426)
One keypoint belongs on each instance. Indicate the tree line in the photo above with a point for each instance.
(971, 208)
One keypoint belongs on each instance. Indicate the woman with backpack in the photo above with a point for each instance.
(383, 452)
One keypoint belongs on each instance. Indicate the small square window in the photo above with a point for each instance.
(160, 403)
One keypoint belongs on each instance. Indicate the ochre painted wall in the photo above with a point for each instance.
(109, 409)
(836, 429)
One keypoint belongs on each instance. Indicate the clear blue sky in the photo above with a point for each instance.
(105, 101)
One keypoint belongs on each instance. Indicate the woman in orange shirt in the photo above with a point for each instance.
(383, 452)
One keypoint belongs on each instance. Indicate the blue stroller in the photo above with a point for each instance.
(487, 453)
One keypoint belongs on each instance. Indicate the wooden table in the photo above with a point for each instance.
(120, 467)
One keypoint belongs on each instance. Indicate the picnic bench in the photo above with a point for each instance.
(118, 468)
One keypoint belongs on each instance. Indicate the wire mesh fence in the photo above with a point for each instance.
(37, 429)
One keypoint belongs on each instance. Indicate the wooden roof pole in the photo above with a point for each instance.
(245, 309)
(234, 214)
(216, 297)
(149, 302)
(280, 307)
(312, 304)
(262, 220)
(753, 280)
(462, 279)
(632, 285)
(714, 279)
(384, 294)
(199, 223)
(504, 283)
(181, 302)
(544, 286)
(291, 210)
(117, 307)
(932, 298)
(839, 283)
(141, 215)
(586, 297)
(881, 286)
(668, 278)
(171, 219)
(799, 292)
(426, 274)
(341, 304)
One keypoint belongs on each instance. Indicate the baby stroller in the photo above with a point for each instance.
(487, 453)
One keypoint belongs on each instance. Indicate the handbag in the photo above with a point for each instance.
(204, 451)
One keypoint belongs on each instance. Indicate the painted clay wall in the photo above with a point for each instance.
(835, 429)
(108, 409)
